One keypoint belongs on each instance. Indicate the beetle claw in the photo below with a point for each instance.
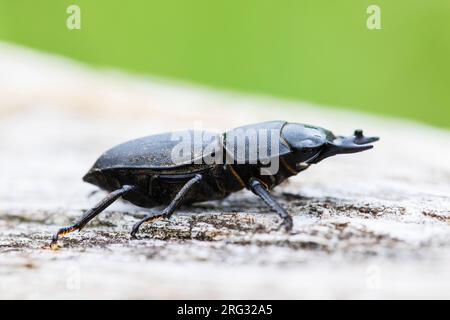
(135, 230)
(133, 237)
(286, 225)
(61, 233)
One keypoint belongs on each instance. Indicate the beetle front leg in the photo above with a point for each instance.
(260, 190)
(170, 209)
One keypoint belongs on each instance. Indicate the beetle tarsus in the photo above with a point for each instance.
(287, 224)
(147, 219)
(61, 233)
(90, 214)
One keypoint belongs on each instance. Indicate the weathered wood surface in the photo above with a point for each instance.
(370, 225)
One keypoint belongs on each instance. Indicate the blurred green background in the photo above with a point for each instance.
(314, 50)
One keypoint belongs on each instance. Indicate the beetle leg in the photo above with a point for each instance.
(90, 214)
(260, 190)
(169, 210)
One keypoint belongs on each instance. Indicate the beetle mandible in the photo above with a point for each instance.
(146, 173)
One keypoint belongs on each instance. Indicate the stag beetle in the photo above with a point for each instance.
(146, 173)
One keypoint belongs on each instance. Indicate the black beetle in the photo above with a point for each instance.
(147, 172)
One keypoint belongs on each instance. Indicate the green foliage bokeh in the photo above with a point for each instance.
(314, 50)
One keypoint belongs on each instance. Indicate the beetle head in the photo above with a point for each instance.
(313, 144)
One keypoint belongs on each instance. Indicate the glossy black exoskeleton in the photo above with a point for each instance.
(153, 170)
